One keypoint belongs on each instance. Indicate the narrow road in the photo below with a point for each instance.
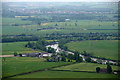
(6, 55)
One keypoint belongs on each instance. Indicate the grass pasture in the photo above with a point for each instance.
(87, 24)
(84, 67)
(17, 65)
(19, 47)
(10, 21)
(69, 27)
(100, 48)
(65, 74)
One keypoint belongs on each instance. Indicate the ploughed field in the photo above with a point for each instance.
(17, 65)
(99, 48)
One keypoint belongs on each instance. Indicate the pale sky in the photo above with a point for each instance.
(60, 0)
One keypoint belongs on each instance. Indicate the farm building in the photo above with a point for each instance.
(104, 61)
(67, 19)
(116, 72)
(37, 54)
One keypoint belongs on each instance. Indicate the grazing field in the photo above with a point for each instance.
(82, 26)
(64, 74)
(19, 47)
(10, 21)
(84, 67)
(86, 24)
(16, 65)
(100, 48)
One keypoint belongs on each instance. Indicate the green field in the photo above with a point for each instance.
(64, 74)
(16, 65)
(100, 48)
(82, 26)
(68, 21)
(19, 47)
(10, 21)
(87, 24)
(84, 67)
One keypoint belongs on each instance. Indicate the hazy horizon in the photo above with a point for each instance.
(61, 1)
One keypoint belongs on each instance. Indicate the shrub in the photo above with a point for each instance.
(68, 60)
(15, 54)
(88, 59)
(98, 69)
(63, 59)
(109, 69)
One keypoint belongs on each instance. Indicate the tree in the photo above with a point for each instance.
(58, 59)
(39, 23)
(51, 50)
(75, 24)
(15, 54)
(109, 69)
(63, 59)
(85, 53)
(88, 59)
(76, 55)
(47, 59)
(65, 48)
(20, 55)
(78, 58)
(70, 57)
(98, 69)
(40, 44)
(53, 56)
(28, 45)
(63, 54)
(68, 60)
(56, 24)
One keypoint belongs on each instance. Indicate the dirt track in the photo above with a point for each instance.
(6, 55)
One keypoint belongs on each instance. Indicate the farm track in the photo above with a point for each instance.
(6, 55)
(37, 71)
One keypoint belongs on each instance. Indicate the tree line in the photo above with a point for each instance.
(59, 36)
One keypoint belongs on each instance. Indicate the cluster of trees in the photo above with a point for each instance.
(40, 44)
(85, 53)
(88, 59)
(17, 54)
(109, 69)
(83, 36)
(51, 50)
(77, 57)
(71, 57)
(62, 42)
(57, 57)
